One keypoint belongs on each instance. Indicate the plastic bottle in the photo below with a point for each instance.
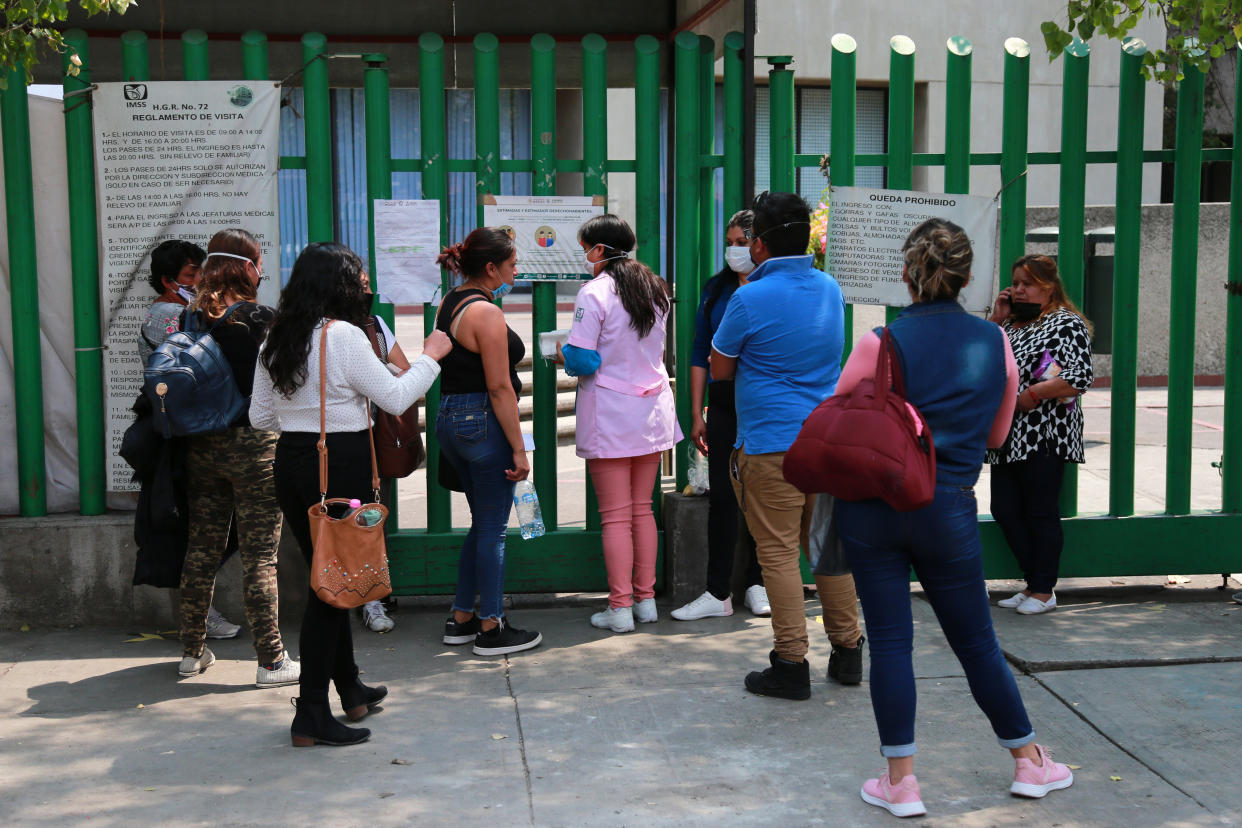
(526, 501)
(367, 517)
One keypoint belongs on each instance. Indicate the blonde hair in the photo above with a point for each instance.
(938, 258)
(1042, 270)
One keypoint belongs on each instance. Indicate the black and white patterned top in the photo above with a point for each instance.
(1051, 427)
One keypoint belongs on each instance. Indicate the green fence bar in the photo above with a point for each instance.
(24, 296)
(1187, 173)
(957, 116)
(434, 177)
(709, 232)
(782, 132)
(195, 65)
(378, 151)
(1231, 461)
(734, 198)
(842, 144)
(1015, 120)
(686, 227)
(1128, 237)
(486, 118)
(595, 175)
(135, 62)
(320, 218)
(900, 122)
(647, 149)
(543, 317)
(254, 55)
(84, 269)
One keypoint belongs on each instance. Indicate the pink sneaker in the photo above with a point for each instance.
(1037, 781)
(900, 800)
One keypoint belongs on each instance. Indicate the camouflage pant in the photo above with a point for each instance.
(227, 473)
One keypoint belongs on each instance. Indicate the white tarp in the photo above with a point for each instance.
(174, 160)
(867, 227)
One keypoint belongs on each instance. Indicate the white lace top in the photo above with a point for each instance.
(354, 375)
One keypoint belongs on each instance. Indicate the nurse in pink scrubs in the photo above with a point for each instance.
(625, 409)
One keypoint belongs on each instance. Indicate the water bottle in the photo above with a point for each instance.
(367, 517)
(527, 504)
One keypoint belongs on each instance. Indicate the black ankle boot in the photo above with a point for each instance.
(314, 725)
(358, 700)
(845, 665)
(784, 679)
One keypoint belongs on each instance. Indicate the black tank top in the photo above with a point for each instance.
(461, 372)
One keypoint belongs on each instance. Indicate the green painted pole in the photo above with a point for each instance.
(195, 65)
(957, 116)
(1015, 121)
(379, 153)
(708, 231)
(900, 122)
(1231, 461)
(842, 144)
(781, 130)
(734, 198)
(1129, 230)
(1187, 171)
(434, 177)
(686, 222)
(486, 118)
(647, 149)
(84, 268)
(135, 61)
(595, 166)
(320, 218)
(543, 154)
(254, 55)
(24, 296)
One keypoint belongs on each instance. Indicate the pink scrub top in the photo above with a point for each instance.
(625, 409)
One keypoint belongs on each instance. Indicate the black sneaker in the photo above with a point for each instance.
(784, 679)
(845, 665)
(463, 633)
(502, 639)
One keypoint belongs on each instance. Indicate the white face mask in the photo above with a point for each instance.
(738, 259)
(186, 292)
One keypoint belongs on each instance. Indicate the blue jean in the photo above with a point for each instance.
(472, 440)
(941, 542)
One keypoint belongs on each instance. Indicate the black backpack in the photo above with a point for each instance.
(190, 383)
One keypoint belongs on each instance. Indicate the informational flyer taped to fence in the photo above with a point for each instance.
(545, 229)
(866, 229)
(174, 160)
(407, 241)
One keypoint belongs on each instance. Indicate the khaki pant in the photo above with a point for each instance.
(779, 516)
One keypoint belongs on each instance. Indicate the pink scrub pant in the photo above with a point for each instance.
(623, 486)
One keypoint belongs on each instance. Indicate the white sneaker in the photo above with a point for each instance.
(287, 671)
(1012, 602)
(374, 617)
(757, 600)
(1034, 606)
(219, 627)
(191, 666)
(645, 611)
(617, 619)
(705, 606)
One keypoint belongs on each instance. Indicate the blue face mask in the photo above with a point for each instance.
(501, 290)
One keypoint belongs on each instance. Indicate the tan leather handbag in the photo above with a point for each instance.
(350, 564)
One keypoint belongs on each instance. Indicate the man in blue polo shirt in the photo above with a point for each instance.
(781, 339)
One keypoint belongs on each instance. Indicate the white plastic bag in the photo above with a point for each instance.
(697, 475)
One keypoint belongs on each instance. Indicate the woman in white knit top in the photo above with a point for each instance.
(328, 283)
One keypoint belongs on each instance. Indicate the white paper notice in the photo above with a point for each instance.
(407, 241)
(866, 229)
(174, 160)
(545, 230)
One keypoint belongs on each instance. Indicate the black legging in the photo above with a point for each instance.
(325, 644)
(722, 510)
(1026, 503)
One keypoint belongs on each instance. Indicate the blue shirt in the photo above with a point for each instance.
(786, 328)
(718, 290)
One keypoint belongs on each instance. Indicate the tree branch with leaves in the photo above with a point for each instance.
(30, 30)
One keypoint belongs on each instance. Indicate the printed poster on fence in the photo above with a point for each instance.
(407, 241)
(174, 160)
(545, 230)
(867, 227)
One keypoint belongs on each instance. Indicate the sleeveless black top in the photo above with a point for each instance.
(461, 372)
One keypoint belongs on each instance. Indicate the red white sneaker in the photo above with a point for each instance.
(900, 800)
(1037, 781)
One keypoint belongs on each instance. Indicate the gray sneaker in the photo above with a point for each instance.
(219, 627)
(1237, 597)
(287, 671)
(191, 666)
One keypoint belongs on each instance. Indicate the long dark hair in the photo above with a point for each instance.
(644, 295)
(728, 277)
(223, 275)
(484, 246)
(326, 282)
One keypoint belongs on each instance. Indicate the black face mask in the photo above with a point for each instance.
(1025, 311)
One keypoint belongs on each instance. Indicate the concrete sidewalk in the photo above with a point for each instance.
(1136, 683)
